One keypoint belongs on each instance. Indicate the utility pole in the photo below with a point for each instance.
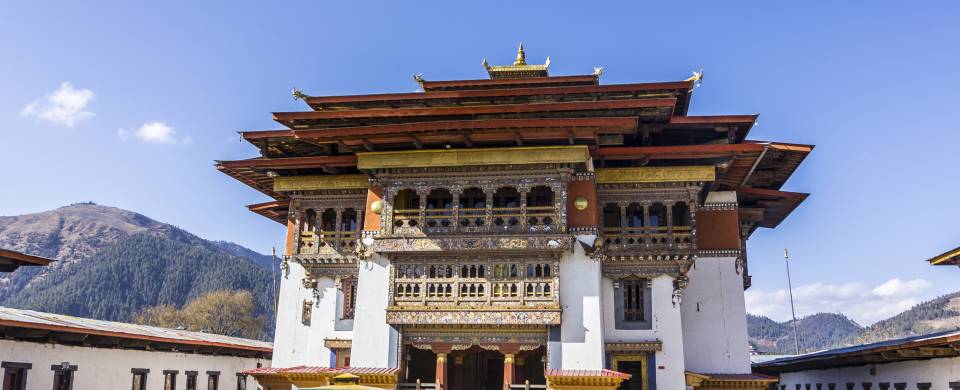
(273, 277)
(796, 331)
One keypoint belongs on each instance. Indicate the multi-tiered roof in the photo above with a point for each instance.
(624, 125)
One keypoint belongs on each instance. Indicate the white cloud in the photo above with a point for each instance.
(155, 132)
(862, 303)
(65, 106)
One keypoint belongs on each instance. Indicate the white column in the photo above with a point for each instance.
(376, 341)
(581, 329)
(291, 345)
(714, 318)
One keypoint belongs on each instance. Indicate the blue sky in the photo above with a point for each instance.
(157, 91)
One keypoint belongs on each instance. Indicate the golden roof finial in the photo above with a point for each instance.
(521, 57)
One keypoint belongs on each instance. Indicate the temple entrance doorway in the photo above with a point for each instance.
(474, 368)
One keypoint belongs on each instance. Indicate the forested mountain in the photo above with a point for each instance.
(818, 331)
(113, 262)
(825, 330)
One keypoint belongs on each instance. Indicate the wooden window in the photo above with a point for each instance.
(241, 381)
(63, 376)
(15, 375)
(170, 379)
(349, 287)
(633, 291)
(191, 380)
(139, 378)
(213, 380)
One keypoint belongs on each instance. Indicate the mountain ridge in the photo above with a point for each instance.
(113, 262)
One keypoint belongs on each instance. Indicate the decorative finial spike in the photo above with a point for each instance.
(521, 56)
(299, 95)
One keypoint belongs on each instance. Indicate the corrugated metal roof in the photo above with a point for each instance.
(586, 373)
(64, 323)
(321, 370)
(906, 342)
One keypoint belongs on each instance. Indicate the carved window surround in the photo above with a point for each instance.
(312, 210)
(521, 218)
(642, 199)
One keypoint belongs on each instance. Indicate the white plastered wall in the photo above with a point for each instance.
(109, 369)
(666, 327)
(322, 324)
(714, 318)
(376, 341)
(291, 346)
(581, 328)
(938, 372)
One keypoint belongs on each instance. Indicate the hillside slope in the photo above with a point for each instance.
(113, 262)
(817, 332)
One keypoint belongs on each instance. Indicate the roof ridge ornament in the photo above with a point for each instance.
(519, 69)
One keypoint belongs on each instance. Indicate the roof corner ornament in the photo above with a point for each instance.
(419, 79)
(486, 65)
(597, 71)
(697, 78)
(299, 95)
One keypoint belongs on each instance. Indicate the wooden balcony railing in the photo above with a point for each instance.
(648, 237)
(322, 241)
(541, 219)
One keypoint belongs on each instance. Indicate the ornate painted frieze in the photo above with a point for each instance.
(705, 173)
(457, 315)
(638, 346)
(465, 336)
(473, 157)
(319, 182)
(442, 244)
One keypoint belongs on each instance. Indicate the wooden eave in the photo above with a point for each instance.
(275, 210)
(951, 257)
(447, 85)
(20, 258)
(651, 109)
(678, 89)
(739, 165)
(776, 205)
(740, 124)
(253, 172)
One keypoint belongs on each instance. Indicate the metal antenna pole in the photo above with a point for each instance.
(273, 277)
(796, 332)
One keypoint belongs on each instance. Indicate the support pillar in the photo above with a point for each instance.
(507, 370)
(441, 371)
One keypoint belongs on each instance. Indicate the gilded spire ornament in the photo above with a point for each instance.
(519, 69)
(521, 57)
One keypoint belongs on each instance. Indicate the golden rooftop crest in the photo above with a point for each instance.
(519, 69)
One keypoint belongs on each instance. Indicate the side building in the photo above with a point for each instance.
(525, 228)
(42, 351)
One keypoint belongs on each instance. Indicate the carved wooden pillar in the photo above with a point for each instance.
(624, 223)
(669, 207)
(441, 370)
(692, 205)
(338, 234)
(524, 190)
(422, 193)
(455, 219)
(646, 223)
(560, 204)
(386, 215)
(488, 214)
(507, 370)
(441, 374)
